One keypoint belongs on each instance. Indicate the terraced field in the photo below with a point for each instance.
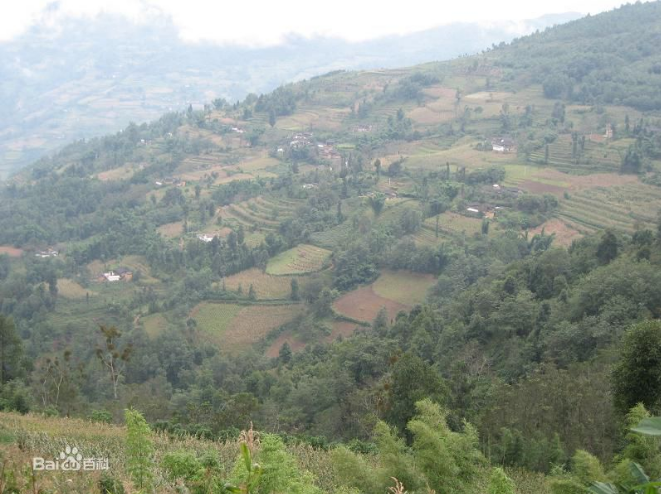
(301, 259)
(233, 327)
(70, 289)
(449, 225)
(619, 207)
(260, 214)
(266, 286)
(594, 158)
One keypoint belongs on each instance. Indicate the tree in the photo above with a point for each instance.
(272, 118)
(285, 353)
(377, 202)
(295, 295)
(139, 450)
(411, 380)
(58, 380)
(632, 161)
(607, 249)
(11, 349)
(252, 295)
(500, 483)
(111, 357)
(637, 374)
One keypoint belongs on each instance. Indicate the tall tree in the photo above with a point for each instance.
(11, 349)
(637, 374)
(111, 357)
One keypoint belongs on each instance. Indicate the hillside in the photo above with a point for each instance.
(79, 78)
(320, 259)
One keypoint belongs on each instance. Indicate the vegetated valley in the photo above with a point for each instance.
(442, 278)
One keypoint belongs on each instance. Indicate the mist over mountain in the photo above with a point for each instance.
(85, 77)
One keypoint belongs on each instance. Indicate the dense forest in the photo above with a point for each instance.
(437, 279)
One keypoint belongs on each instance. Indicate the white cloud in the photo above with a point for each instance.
(268, 22)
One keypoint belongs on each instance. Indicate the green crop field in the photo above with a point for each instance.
(266, 286)
(231, 326)
(299, 260)
(213, 319)
(404, 287)
(619, 207)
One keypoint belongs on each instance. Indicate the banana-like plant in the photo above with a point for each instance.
(649, 427)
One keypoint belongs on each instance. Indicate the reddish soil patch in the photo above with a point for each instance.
(11, 251)
(564, 234)
(363, 305)
(274, 350)
(541, 188)
(338, 328)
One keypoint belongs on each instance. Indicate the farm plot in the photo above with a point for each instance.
(171, 230)
(265, 285)
(619, 207)
(363, 304)
(154, 324)
(593, 157)
(564, 233)
(10, 251)
(259, 214)
(232, 327)
(70, 289)
(299, 260)
(404, 287)
(338, 328)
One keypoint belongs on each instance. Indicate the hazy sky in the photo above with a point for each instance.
(266, 22)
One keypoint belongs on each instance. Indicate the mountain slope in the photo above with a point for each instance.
(88, 77)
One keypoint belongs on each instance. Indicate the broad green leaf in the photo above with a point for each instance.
(638, 474)
(650, 426)
(601, 488)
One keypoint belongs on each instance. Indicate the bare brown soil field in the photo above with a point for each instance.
(363, 304)
(171, 230)
(338, 328)
(11, 251)
(564, 234)
(541, 188)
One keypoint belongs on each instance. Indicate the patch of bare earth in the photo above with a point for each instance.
(541, 188)
(564, 234)
(10, 251)
(363, 304)
(338, 328)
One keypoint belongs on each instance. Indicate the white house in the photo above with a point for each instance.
(205, 238)
(111, 276)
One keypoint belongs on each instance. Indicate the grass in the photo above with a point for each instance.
(301, 259)
(70, 289)
(154, 324)
(404, 287)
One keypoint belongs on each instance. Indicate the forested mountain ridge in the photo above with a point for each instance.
(368, 258)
